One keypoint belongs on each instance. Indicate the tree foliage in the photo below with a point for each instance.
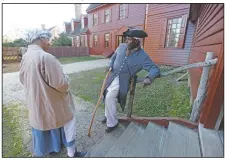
(63, 40)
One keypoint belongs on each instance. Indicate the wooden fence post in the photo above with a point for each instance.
(201, 93)
(131, 97)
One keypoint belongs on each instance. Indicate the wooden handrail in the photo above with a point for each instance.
(197, 105)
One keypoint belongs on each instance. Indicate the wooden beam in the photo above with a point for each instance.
(182, 76)
(194, 65)
(178, 69)
(218, 122)
(201, 93)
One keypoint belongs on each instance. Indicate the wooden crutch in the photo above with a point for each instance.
(100, 97)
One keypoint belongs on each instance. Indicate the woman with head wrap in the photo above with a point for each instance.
(48, 99)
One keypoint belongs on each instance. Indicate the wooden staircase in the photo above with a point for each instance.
(136, 140)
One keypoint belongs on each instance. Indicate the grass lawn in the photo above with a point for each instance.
(13, 120)
(15, 67)
(66, 60)
(164, 98)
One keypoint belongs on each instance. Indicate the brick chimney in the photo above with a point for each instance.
(78, 11)
(43, 26)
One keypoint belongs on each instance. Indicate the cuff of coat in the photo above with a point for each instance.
(152, 76)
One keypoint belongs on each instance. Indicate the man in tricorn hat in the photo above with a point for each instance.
(128, 59)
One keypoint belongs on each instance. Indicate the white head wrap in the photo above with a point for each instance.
(40, 34)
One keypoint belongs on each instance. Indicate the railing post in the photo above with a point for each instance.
(201, 93)
(131, 96)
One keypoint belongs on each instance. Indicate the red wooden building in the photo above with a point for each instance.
(169, 33)
(107, 22)
(77, 29)
(179, 34)
(209, 37)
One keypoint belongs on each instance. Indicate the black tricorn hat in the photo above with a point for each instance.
(135, 33)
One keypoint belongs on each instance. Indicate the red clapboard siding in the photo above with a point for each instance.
(209, 37)
(154, 45)
(135, 16)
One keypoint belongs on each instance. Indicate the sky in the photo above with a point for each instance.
(18, 17)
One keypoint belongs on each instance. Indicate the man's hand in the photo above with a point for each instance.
(146, 82)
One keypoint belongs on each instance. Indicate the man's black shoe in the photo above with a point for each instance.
(110, 129)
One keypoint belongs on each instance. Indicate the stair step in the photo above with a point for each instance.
(127, 141)
(101, 148)
(221, 135)
(181, 142)
(150, 144)
(210, 143)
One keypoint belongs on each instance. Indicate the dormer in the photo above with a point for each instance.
(68, 27)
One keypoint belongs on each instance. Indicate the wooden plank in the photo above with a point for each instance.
(197, 105)
(171, 9)
(103, 146)
(211, 144)
(181, 142)
(208, 13)
(150, 144)
(175, 13)
(127, 141)
(212, 105)
(204, 10)
(221, 135)
(214, 39)
(220, 117)
(217, 27)
(201, 50)
(210, 20)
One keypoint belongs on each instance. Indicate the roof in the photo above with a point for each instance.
(76, 31)
(84, 30)
(93, 6)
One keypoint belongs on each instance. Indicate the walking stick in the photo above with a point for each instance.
(100, 97)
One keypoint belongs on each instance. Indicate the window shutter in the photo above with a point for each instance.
(92, 20)
(103, 16)
(126, 10)
(97, 18)
(162, 33)
(183, 31)
(110, 14)
(99, 41)
(117, 12)
(110, 41)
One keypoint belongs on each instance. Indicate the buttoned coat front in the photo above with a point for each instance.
(127, 67)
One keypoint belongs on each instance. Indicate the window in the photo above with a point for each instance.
(82, 22)
(82, 41)
(72, 25)
(107, 39)
(107, 15)
(173, 32)
(95, 19)
(122, 11)
(95, 40)
(77, 38)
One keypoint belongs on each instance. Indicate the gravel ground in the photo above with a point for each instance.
(13, 93)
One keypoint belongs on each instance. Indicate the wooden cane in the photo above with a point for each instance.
(100, 97)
